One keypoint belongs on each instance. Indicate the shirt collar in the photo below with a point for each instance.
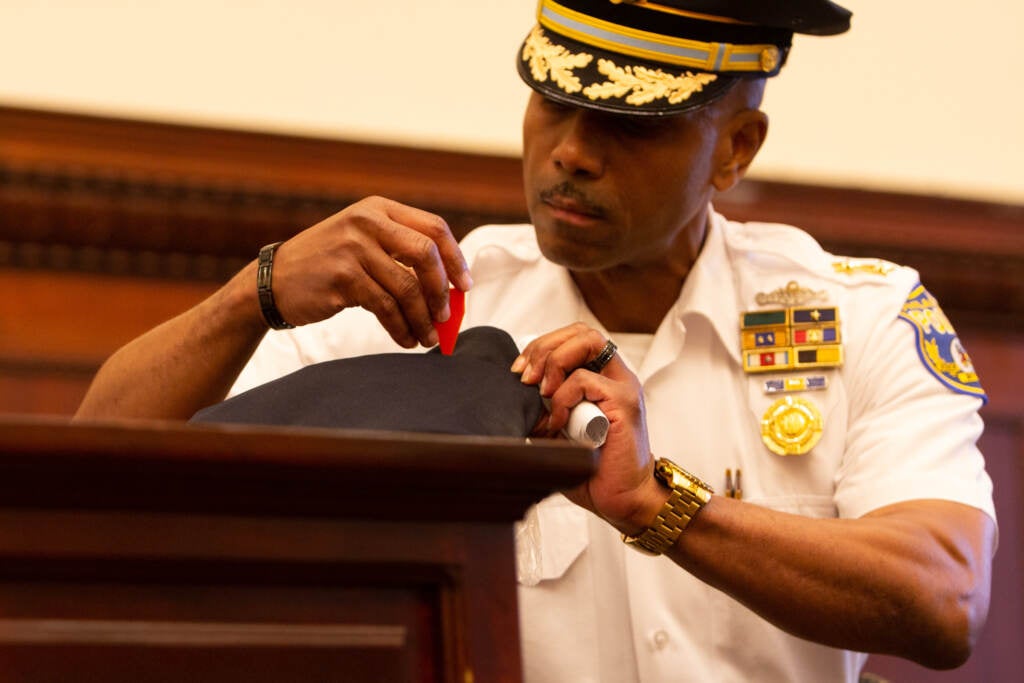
(709, 292)
(710, 289)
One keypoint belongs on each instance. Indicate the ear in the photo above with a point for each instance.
(741, 139)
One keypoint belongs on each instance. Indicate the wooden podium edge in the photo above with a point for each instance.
(246, 470)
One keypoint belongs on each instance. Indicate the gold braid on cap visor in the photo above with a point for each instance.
(637, 84)
(672, 50)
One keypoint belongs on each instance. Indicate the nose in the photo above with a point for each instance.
(580, 148)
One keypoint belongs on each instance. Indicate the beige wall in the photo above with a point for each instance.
(905, 101)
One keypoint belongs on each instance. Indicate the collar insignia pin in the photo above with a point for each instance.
(790, 295)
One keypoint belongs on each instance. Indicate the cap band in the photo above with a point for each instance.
(722, 57)
(678, 12)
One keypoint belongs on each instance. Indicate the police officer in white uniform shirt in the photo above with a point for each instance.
(790, 476)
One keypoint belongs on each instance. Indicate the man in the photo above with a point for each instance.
(827, 399)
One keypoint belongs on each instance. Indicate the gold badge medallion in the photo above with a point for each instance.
(791, 426)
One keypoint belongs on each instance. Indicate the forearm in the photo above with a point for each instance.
(893, 582)
(910, 579)
(184, 364)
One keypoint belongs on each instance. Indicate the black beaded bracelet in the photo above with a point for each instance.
(264, 274)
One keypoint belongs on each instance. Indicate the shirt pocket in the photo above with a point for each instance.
(549, 538)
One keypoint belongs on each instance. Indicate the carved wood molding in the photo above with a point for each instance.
(140, 198)
(131, 197)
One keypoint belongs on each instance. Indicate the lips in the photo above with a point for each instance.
(567, 198)
(572, 206)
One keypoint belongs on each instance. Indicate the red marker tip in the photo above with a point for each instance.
(448, 331)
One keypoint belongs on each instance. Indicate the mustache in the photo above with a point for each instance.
(566, 190)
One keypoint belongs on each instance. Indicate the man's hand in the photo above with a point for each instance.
(623, 491)
(394, 260)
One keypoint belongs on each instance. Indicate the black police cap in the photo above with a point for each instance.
(665, 56)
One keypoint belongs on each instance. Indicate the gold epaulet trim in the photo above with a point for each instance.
(850, 266)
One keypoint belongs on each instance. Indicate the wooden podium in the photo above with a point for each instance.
(151, 552)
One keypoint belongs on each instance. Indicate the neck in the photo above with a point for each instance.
(636, 297)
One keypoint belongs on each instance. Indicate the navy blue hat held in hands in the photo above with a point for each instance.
(665, 56)
(472, 392)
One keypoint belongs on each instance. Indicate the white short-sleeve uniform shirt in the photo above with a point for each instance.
(893, 429)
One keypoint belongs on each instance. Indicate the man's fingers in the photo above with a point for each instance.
(440, 234)
(568, 357)
(445, 252)
(404, 298)
(548, 360)
(378, 301)
(615, 393)
(579, 386)
(532, 360)
(417, 253)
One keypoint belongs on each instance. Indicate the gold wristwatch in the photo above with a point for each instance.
(688, 495)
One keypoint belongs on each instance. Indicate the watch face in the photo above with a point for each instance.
(675, 476)
(637, 544)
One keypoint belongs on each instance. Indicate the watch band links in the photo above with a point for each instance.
(683, 503)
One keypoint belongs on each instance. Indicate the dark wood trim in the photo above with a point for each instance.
(153, 466)
(140, 198)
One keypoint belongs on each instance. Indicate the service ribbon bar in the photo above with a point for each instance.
(766, 338)
(816, 334)
(791, 339)
(752, 319)
(825, 356)
(771, 360)
(813, 315)
(788, 384)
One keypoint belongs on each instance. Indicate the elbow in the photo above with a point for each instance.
(952, 631)
(954, 614)
(946, 650)
(943, 593)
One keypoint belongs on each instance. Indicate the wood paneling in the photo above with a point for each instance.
(57, 327)
(158, 200)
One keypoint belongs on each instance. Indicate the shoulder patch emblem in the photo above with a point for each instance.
(937, 344)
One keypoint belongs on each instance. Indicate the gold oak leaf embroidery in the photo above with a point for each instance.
(640, 85)
(545, 58)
